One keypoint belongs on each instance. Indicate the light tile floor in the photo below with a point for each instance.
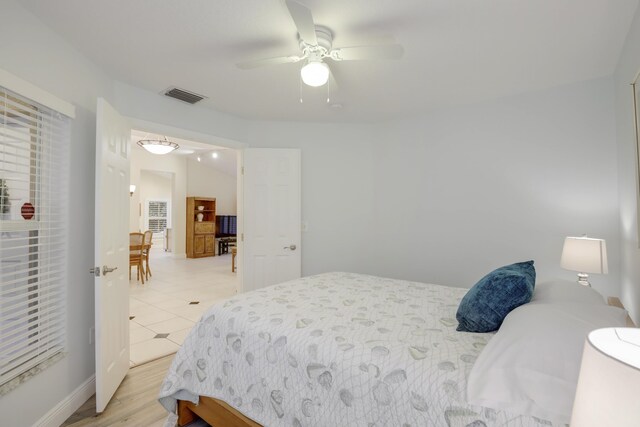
(164, 305)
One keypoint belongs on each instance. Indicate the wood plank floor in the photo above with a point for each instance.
(134, 404)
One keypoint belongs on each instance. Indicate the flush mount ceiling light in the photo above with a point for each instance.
(214, 154)
(158, 146)
(315, 73)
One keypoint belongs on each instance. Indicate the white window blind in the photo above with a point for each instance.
(34, 144)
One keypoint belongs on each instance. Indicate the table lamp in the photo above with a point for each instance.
(609, 380)
(584, 255)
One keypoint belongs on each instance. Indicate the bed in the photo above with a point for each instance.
(337, 349)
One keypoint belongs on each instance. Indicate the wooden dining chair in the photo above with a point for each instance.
(136, 247)
(148, 237)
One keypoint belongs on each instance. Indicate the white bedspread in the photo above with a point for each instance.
(337, 349)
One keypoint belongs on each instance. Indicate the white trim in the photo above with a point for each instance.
(67, 406)
(179, 256)
(28, 90)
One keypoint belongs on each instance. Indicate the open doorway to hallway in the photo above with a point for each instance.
(166, 307)
(177, 288)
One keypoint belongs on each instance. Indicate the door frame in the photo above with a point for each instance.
(154, 127)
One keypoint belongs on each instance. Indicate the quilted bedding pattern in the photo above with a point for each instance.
(337, 349)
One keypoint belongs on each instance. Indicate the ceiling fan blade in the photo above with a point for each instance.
(268, 61)
(333, 84)
(359, 53)
(303, 19)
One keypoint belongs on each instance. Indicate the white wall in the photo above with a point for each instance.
(628, 67)
(141, 160)
(205, 181)
(445, 197)
(34, 53)
(474, 187)
(462, 191)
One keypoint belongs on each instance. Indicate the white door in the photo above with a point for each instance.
(113, 136)
(270, 252)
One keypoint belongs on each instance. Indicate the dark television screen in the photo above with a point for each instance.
(226, 225)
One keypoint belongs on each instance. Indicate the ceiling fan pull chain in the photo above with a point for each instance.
(300, 77)
(329, 90)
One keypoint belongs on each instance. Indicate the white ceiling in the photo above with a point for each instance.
(456, 51)
(226, 160)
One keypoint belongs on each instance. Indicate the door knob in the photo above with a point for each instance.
(292, 247)
(106, 269)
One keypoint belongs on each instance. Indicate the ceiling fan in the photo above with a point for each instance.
(316, 45)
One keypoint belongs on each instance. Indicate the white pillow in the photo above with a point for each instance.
(559, 290)
(531, 365)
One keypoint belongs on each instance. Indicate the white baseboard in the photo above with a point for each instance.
(70, 404)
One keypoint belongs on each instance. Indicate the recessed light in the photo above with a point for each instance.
(198, 158)
(214, 154)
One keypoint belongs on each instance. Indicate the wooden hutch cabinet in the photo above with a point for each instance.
(201, 227)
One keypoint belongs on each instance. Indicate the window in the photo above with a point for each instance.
(34, 142)
(158, 213)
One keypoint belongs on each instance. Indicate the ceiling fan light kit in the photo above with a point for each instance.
(315, 73)
(157, 146)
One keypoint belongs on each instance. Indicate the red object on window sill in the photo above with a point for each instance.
(27, 211)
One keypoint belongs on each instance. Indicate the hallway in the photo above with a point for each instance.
(165, 308)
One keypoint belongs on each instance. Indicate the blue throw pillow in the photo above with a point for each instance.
(489, 301)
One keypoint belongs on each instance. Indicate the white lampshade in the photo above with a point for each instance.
(132, 188)
(584, 255)
(315, 73)
(609, 381)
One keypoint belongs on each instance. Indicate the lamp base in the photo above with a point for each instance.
(583, 279)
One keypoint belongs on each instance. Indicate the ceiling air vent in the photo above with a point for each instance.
(184, 95)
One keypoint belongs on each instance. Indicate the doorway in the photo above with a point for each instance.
(279, 219)
(178, 289)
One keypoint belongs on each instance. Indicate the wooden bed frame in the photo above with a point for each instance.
(214, 411)
(219, 414)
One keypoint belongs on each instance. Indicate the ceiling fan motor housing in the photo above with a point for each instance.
(322, 49)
